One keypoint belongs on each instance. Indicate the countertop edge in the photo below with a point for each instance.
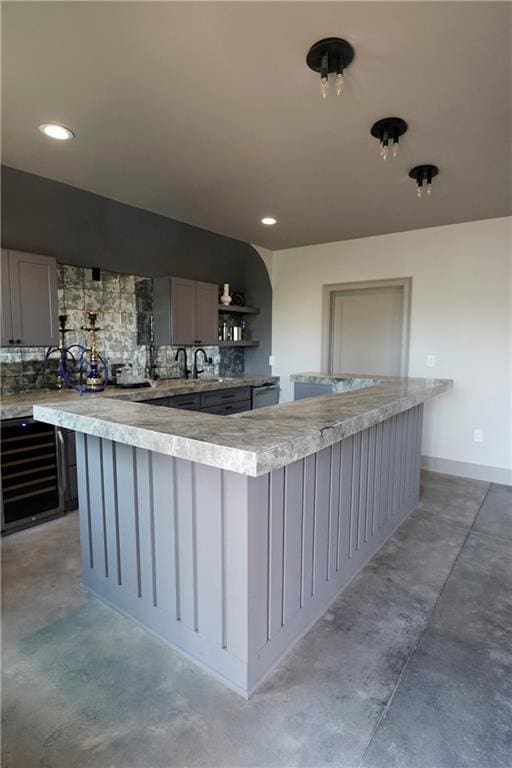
(223, 457)
(351, 426)
(300, 442)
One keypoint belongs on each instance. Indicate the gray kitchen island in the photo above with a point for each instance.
(228, 537)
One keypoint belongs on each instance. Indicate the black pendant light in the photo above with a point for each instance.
(329, 56)
(388, 132)
(423, 175)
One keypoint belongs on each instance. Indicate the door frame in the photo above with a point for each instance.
(327, 315)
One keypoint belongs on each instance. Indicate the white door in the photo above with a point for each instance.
(367, 330)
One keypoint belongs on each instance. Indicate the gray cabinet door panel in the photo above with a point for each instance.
(238, 407)
(183, 311)
(223, 396)
(207, 313)
(186, 402)
(224, 410)
(6, 320)
(162, 401)
(33, 281)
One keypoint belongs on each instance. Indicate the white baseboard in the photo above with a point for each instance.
(467, 469)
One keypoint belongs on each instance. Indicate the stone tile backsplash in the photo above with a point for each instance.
(123, 304)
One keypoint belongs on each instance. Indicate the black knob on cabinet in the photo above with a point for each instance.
(11, 341)
(18, 341)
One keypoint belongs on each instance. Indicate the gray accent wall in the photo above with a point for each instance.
(83, 229)
(259, 294)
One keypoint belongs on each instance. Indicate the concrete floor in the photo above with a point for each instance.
(410, 668)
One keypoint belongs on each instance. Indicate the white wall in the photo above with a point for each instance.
(461, 312)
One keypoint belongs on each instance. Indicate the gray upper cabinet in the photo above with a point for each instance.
(7, 332)
(29, 300)
(185, 311)
(207, 313)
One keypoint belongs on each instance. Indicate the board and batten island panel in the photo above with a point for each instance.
(228, 537)
(232, 569)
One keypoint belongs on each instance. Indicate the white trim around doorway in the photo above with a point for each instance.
(331, 289)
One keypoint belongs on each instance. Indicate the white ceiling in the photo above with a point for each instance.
(206, 112)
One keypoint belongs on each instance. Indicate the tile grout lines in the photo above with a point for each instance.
(415, 646)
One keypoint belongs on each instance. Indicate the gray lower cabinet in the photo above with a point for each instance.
(185, 311)
(29, 300)
(228, 408)
(225, 397)
(219, 401)
(186, 402)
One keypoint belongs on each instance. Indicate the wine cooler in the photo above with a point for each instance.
(32, 473)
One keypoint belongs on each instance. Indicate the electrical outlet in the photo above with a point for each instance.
(431, 361)
(271, 360)
(478, 435)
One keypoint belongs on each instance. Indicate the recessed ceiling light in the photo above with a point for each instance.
(269, 221)
(54, 131)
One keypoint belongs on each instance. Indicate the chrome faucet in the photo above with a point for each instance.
(186, 370)
(207, 361)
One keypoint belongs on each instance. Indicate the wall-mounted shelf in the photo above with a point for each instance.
(233, 309)
(238, 343)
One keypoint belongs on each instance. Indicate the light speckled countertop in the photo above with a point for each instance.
(315, 377)
(343, 382)
(269, 438)
(20, 405)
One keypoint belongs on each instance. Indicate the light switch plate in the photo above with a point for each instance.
(271, 360)
(431, 361)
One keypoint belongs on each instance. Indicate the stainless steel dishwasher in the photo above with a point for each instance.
(267, 394)
(33, 474)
